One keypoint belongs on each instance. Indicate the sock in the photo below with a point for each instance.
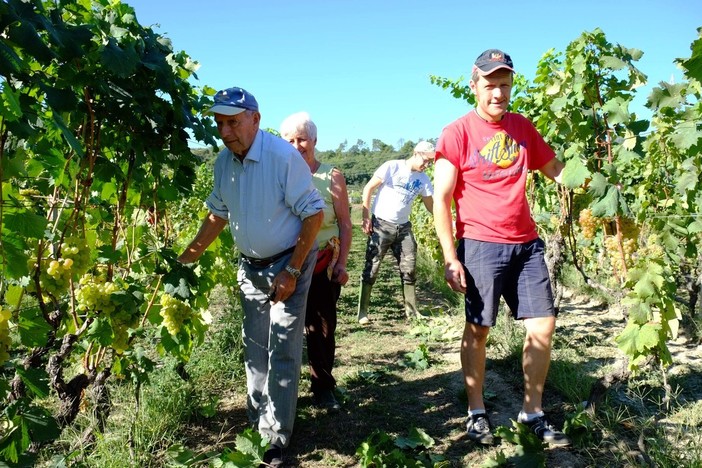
(476, 411)
(526, 417)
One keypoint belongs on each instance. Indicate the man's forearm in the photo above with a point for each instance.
(308, 234)
(211, 227)
(443, 223)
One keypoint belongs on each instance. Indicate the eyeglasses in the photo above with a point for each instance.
(428, 160)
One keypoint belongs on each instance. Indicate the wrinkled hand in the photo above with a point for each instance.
(340, 275)
(283, 286)
(455, 275)
(367, 227)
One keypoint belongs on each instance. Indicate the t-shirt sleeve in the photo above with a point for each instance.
(382, 171)
(450, 146)
(427, 187)
(539, 152)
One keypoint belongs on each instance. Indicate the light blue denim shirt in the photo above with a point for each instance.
(266, 198)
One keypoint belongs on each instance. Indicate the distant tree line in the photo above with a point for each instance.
(357, 162)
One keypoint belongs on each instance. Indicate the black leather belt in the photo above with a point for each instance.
(264, 262)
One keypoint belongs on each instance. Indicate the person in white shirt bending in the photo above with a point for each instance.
(398, 183)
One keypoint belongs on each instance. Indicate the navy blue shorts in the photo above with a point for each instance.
(516, 272)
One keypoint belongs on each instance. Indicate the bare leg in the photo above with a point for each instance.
(536, 358)
(473, 363)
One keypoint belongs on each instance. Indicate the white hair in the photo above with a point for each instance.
(299, 122)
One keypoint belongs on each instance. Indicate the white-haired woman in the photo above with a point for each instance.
(330, 273)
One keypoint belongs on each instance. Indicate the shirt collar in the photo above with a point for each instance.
(254, 153)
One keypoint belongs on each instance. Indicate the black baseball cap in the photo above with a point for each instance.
(491, 60)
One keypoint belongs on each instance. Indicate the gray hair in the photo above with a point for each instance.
(297, 123)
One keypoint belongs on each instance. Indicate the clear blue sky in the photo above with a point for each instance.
(361, 68)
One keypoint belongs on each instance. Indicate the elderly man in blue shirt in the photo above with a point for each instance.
(263, 189)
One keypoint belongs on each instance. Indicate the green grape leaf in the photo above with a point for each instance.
(694, 227)
(650, 280)
(648, 337)
(613, 63)
(617, 110)
(693, 65)
(10, 108)
(667, 95)
(41, 424)
(686, 136)
(417, 437)
(687, 181)
(25, 224)
(251, 443)
(60, 100)
(107, 254)
(14, 256)
(639, 312)
(608, 205)
(13, 295)
(626, 341)
(598, 185)
(37, 380)
(68, 135)
(10, 63)
(33, 329)
(101, 331)
(120, 61)
(575, 173)
(24, 33)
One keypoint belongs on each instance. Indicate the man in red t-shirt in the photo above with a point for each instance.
(482, 161)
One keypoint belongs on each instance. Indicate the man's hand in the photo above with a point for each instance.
(455, 275)
(367, 226)
(283, 286)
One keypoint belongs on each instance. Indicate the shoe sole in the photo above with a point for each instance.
(482, 439)
(557, 443)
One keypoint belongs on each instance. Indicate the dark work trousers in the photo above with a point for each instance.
(320, 325)
(397, 238)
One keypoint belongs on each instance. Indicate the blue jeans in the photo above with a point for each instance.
(272, 337)
(516, 272)
(395, 237)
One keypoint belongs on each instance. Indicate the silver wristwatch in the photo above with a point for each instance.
(293, 271)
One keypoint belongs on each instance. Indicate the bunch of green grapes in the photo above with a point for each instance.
(588, 223)
(174, 313)
(122, 320)
(653, 248)
(56, 276)
(4, 335)
(93, 294)
(76, 249)
(120, 339)
(56, 273)
(615, 258)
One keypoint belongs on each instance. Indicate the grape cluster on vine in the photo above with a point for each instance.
(76, 250)
(93, 294)
(56, 273)
(588, 223)
(174, 312)
(618, 263)
(653, 248)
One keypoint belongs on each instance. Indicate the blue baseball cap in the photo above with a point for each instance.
(232, 101)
